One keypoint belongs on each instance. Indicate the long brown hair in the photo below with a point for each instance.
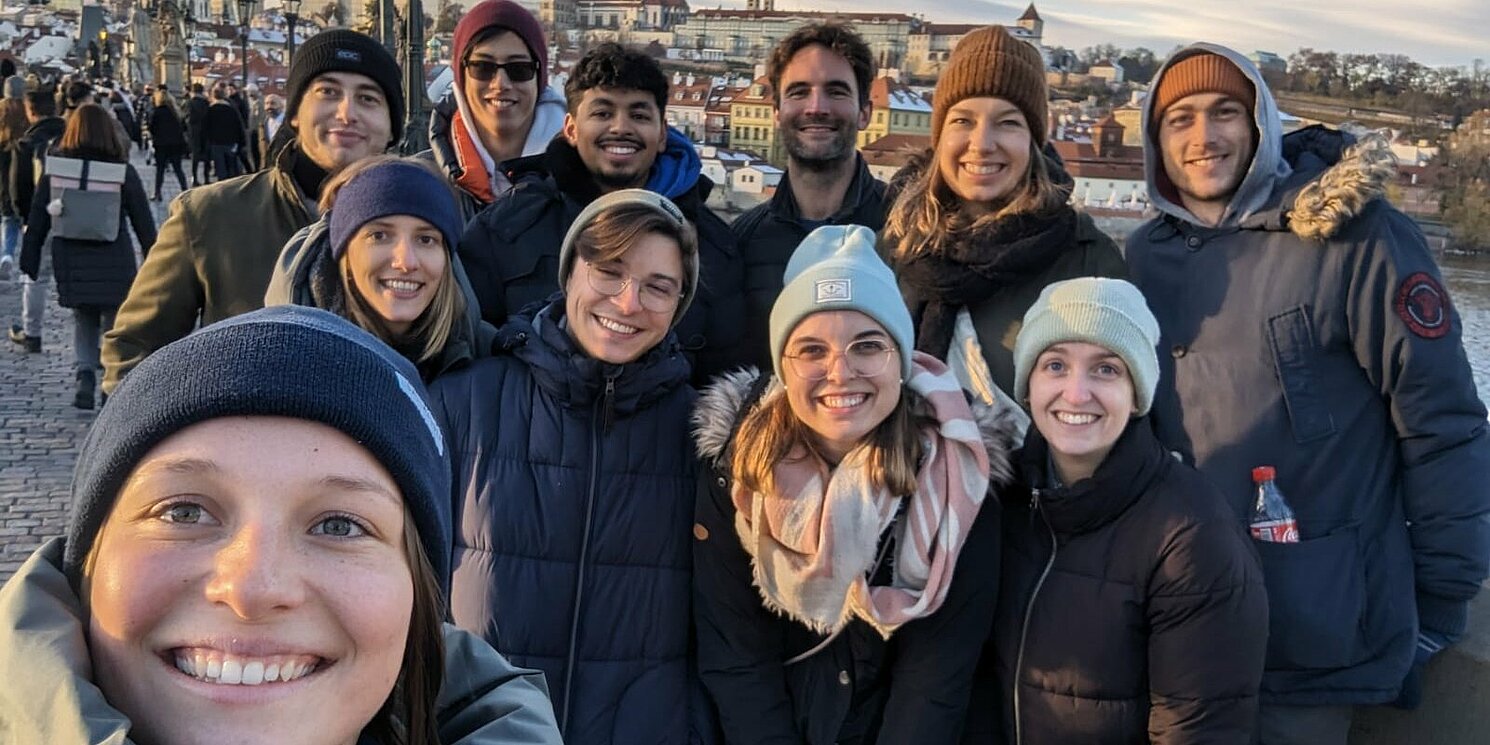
(13, 122)
(927, 212)
(433, 329)
(407, 717)
(771, 433)
(91, 134)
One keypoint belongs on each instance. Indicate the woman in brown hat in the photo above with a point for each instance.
(983, 223)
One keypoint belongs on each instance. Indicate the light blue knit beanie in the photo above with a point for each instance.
(1109, 313)
(836, 267)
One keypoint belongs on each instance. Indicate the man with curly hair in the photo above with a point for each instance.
(614, 137)
(1308, 329)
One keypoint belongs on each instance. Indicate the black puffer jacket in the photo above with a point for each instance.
(511, 254)
(859, 688)
(87, 272)
(1144, 620)
(31, 151)
(768, 235)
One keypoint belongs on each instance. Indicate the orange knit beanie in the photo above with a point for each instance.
(1202, 73)
(990, 62)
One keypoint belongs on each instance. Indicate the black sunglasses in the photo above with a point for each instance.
(518, 72)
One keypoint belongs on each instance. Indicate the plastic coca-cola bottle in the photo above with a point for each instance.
(1272, 518)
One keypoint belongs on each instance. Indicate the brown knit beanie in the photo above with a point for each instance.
(1202, 73)
(990, 62)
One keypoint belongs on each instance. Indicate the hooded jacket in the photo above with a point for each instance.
(453, 155)
(305, 274)
(31, 152)
(1132, 608)
(90, 273)
(511, 249)
(1317, 310)
(573, 494)
(768, 235)
(43, 640)
(860, 687)
(212, 260)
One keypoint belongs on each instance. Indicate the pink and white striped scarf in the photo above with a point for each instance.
(813, 545)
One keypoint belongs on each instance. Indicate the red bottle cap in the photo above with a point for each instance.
(1263, 473)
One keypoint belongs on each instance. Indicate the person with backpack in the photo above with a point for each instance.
(81, 206)
(26, 166)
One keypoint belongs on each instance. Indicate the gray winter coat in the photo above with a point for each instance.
(1311, 331)
(43, 641)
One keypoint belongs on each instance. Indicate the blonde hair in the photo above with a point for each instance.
(434, 328)
(927, 213)
(771, 433)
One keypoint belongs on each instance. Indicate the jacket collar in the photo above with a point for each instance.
(562, 163)
(864, 191)
(560, 367)
(1134, 463)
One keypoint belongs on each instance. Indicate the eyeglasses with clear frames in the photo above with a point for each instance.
(865, 358)
(657, 295)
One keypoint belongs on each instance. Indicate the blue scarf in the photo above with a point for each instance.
(677, 169)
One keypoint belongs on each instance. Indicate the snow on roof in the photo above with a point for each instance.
(904, 99)
(47, 48)
(767, 170)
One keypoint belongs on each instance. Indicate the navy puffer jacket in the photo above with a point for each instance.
(574, 488)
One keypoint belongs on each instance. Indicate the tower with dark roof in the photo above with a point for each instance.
(1032, 22)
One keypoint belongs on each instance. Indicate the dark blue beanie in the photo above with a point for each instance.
(394, 188)
(286, 360)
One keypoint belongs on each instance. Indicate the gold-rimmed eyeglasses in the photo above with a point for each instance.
(658, 294)
(865, 358)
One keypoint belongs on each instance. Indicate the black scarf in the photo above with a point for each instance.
(975, 265)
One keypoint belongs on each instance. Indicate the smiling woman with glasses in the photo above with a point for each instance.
(575, 479)
(846, 552)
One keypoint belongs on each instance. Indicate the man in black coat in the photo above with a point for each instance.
(820, 75)
(196, 123)
(614, 137)
(224, 134)
(25, 168)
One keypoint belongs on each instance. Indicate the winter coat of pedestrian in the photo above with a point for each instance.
(350, 545)
(1132, 608)
(31, 153)
(93, 277)
(842, 587)
(574, 483)
(168, 137)
(511, 249)
(1317, 309)
(196, 125)
(769, 233)
(224, 135)
(973, 251)
(327, 262)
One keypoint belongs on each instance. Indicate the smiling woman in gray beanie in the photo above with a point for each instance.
(1112, 527)
(257, 551)
(846, 552)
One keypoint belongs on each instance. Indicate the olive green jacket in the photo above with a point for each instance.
(212, 260)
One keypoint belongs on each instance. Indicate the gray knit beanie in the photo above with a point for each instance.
(627, 197)
(1110, 313)
(836, 267)
(15, 87)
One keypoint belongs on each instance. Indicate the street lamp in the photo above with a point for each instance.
(245, 9)
(292, 17)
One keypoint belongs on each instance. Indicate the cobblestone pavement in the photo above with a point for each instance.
(40, 431)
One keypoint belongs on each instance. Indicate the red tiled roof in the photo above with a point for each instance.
(787, 14)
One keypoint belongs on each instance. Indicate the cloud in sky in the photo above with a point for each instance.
(1433, 32)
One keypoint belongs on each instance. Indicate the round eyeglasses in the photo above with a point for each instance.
(865, 358)
(658, 294)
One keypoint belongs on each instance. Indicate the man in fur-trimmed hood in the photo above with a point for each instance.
(1308, 329)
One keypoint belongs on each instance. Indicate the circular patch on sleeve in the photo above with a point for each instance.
(1423, 305)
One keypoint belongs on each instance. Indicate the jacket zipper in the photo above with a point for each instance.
(602, 413)
(1029, 610)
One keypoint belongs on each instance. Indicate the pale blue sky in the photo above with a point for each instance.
(1434, 32)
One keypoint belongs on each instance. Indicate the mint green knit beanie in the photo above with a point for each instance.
(1109, 313)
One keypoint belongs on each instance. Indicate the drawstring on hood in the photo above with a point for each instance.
(1267, 171)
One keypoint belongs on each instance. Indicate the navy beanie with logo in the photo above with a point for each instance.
(285, 361)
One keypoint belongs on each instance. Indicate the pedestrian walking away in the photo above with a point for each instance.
(192, 582)
(168, 139)
(13, 126)
(573, 470)
(846, 551)
(1280, 275)
(27, 165)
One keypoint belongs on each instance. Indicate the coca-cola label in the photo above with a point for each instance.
(1276, 531)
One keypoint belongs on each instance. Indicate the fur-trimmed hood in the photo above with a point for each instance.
(720, 407)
